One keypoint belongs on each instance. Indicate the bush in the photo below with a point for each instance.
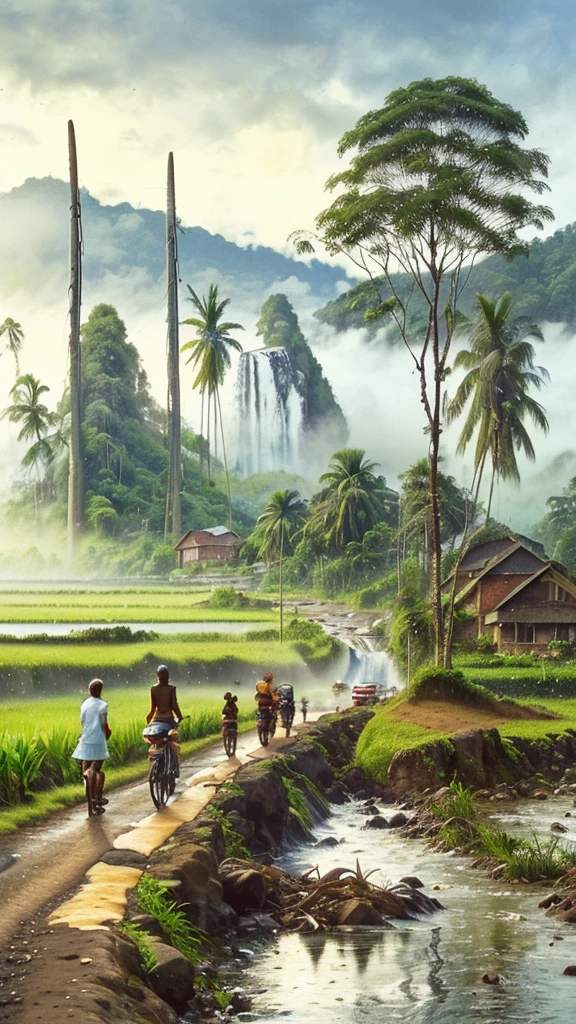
(370, 597)
(560, 648)
(449, 684)
(224, 597)
(478, 645)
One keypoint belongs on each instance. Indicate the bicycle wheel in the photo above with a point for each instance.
(230, 737)
(158, 780)
(89, 799)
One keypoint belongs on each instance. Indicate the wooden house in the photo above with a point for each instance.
(509, 590)
(215, 543)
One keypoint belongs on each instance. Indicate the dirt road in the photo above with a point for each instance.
(52, 857)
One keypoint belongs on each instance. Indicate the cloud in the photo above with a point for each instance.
(11, 132)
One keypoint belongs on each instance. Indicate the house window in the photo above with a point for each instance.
(525, 633)
(557, 593)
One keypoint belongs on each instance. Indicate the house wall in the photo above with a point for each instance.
(493, 589)
(208, 552)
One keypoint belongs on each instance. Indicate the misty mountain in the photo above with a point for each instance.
(543, 283)
(121, 240)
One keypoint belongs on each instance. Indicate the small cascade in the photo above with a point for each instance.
(368, 665)
(269, 413)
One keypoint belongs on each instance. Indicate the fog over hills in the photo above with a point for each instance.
(122, 239)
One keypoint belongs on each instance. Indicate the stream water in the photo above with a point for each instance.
(426, 971)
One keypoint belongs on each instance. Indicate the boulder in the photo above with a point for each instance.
(357, 913)
(357, 781)
(413, 881)
(376, 822)
(570, 971)
(173, 978)
(337, 794)
(549, 901)
(328, 841)
(539, 794)
(244, 887)
(125, 858)
(557, 826)
(568, 916)
(491, 978)
(397, 820)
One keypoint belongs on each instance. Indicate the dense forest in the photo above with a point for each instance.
(543, 282)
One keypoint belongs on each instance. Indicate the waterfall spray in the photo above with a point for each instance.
(270, 414)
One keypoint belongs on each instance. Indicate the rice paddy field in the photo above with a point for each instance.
(152, 604)
(43, 683)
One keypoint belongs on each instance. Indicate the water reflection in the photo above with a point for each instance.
(427, 971)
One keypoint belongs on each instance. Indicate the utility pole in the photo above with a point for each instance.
(75, 468)
(173, 520)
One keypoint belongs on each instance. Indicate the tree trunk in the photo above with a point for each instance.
(173, 519)
(435, 541)
(225, 460)
(281, 582)
(491, 493)
(75, 468)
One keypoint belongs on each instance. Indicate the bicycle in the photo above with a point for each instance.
(266, 725)
(230, 736)
(287, 715)
(164, 764)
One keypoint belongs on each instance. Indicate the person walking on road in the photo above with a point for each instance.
(92, 748)
(304, 708)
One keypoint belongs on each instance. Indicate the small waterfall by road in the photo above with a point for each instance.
(369, 665)
(269, 413)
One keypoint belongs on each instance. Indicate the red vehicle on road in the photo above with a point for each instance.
(365, 694)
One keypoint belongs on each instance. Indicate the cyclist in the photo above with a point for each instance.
(163, 700)
(164, 707)
(92, 749)
(230, 709)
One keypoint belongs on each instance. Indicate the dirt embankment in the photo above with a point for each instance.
(450, 716)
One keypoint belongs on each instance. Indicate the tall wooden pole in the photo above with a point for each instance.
(75, 469)
(173, 520)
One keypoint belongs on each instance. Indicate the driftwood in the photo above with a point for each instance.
(314, 903)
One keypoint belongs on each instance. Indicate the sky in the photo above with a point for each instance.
(252, 96)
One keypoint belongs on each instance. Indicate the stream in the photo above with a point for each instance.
(426, 971)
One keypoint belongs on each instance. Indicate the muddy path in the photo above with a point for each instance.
(52, 857)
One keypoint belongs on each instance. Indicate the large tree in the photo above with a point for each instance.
(438, 177)
(13, 336)
(274, 533)
(210, 357)
(350, 503)
(500, 364)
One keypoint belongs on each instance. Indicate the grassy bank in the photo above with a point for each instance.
(385, 734)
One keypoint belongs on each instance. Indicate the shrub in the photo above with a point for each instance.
(560, 648)
(152, 896)
(449, 684)
(477, 645)
(224, 597)
(459, 804)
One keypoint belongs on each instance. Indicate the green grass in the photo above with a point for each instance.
(155, 604)
(105, 657)
(153, 897)
(50, 728)
(383, 737)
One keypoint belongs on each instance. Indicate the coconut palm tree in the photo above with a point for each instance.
(501, 370)
(351, 501)
(34, 418)
(275, 531)
(14, 337)
(210, 357)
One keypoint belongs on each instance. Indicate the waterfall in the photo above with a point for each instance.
(368, 665)
(269, 413)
